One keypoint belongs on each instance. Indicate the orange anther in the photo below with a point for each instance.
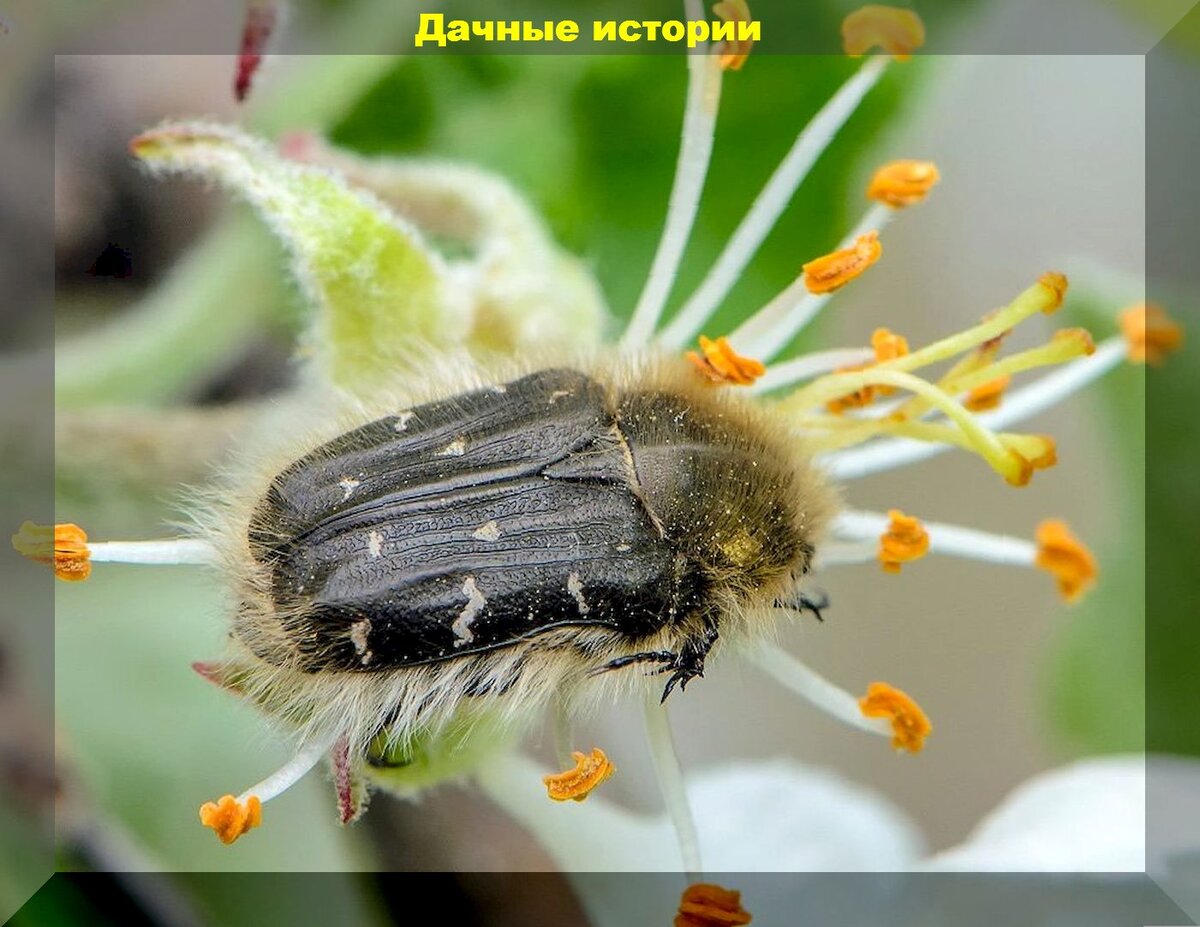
(987, 396)
(576, 784)
(910, 725)
(733, 53)
(63, 547)
(1056, 283)
(1151, 333)
(722, 364)
(706, 905)
(834, 270)
(905, 540)
(1065, 557)
(903, 183)
(897, 31)
(230, 818)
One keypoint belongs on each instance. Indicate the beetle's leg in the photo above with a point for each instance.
(690, 661)
(803, 602)
(650, 656)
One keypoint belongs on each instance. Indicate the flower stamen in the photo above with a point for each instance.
(691, 169)
(805, 682)
(770, 203)
(987, 395)
(1057, 550)
(1066, 558)
(231, 817)
(670, 781)
(768, 330)
(904, 541)
(733, 54)
(720, 363)
(66, 548)
(910, 725)
(63, 547)
(1020, 404)
(577, 784)
(1150, 333)
(706, 905)
(834, 270)
(897, 31)
(1005, 461)
(903, 183)
(887, 346)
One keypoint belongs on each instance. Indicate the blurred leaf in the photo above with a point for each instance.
(396, 114)
(1096, 673)
(150, 740)
(1173, 529)
(223, 291)
(374, 283)
(593, 142)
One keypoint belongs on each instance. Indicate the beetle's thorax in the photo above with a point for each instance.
(720, 486)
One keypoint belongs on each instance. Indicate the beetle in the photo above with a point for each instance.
(521, 536)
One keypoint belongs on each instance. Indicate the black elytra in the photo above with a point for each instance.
(476, 522)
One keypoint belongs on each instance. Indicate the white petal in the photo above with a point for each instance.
(1087, 817)
(781, 816)
(765, 816)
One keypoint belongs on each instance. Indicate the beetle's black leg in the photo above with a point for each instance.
(806, 603)
(665, 657)
(690, 661)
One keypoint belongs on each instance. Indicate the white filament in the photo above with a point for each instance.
(178, 550)
(695, 152)
(951, 540)
(769, 330)
(291, 772)
(670, 782)
(796, 676)
(771, 202)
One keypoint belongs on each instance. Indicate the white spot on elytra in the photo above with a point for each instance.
(348, 486)
(500, 389)
(455, 448)
(488, 531)
(476, 601)
(402, 420)
(558, 394)
(358, 637)
(575, 587)
(624, 548)
(374, 543)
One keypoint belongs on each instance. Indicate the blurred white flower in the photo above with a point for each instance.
(782, 816)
